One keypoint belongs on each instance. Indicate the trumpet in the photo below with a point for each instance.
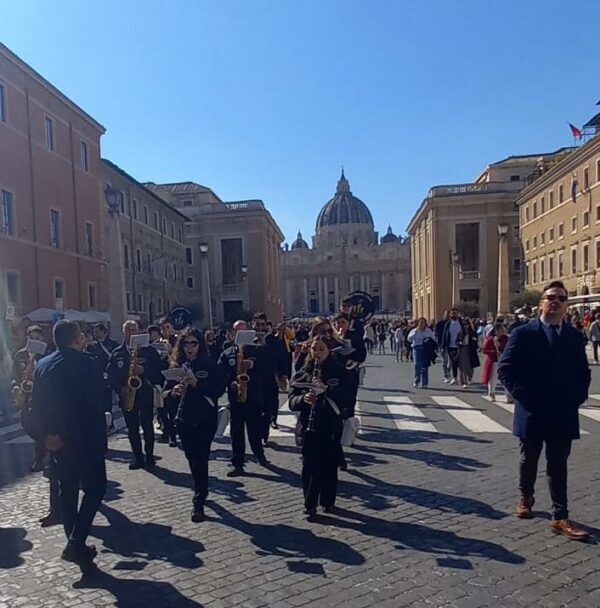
(134, 382)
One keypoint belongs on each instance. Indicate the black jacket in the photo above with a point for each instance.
(228, 366)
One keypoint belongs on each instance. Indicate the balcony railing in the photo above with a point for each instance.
(232, 290)
(469, 275)
(484, 188)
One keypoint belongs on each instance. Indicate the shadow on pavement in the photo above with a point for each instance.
(130, 593)
(15, 461)
(421, 538)
(12, 544)
(377, 435)
(287, 541)
(148, 541)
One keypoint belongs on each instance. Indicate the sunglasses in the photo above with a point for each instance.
(192, 343)
(553, 298)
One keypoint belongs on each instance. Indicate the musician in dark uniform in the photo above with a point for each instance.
(246, 415)
(67, 401)
(196, 401)
(275, 369)
(148, 369)
(321, 418)
(100, 349)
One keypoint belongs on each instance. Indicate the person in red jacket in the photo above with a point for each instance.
(493, 346)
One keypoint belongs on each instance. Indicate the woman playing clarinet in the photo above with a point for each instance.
(321, 394)
(196, 396)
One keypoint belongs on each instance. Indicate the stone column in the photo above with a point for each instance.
(325, 296)
(503, 274)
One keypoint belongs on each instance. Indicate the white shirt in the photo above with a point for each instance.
(454, 330)
(417, 336)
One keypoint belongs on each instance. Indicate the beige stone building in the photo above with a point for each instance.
(51, 224)
(346, 255)
(149, 263)
(234, 250)
(455, 239)
(560, 220)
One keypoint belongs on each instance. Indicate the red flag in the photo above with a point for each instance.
(575, 131)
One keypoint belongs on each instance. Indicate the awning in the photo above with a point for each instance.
(52, 315)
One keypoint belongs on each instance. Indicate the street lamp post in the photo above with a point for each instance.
(503, 276)
(455, 262)
(245, 298)
(204, 255)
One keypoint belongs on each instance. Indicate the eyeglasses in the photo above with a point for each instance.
(551, 297)
(192, 343)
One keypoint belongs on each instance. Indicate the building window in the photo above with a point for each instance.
(542, 238)
(574, 224)
(189, 258)
(586, 219)
(83, 156)
(126, 255)
(122, 201)
(140, 302)
(146, 214)
(190, 282)
(535, 242)
(551, 199)
(598, 170)
(128, 300)
(550, 235)
(534, 272)
(128, 207)
(561, 194)
(586, 178)
(561, 230)
(91, 295)
(527, 245)
(13, 290)
(598, 254)
(573, 261)
(89, 239)
(174, 271)
(526, 214)
(49, 133)
(164, 225)
(2, 102)
(54, 228)
(59, 289)
(135, 209)
(138, 260)
(586, 257)
(551, 267)
(561, 264)
(187, 203)
(542, 269)
(149, 263)
(542, 205)
(534, 209)
(8, 217)
(155, 220)
(180, 235)
(172, 230)
(516, 231)
(515, 178)
(160, 305)
(516, 265)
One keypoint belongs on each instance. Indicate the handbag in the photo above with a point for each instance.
(350, 428)
(223, 418)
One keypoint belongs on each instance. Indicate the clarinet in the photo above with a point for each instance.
(316, 377)
(179, 415)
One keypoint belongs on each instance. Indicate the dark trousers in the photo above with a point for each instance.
(557, 454)
(595, 345)
(271, 407)
(319, 471)
(143, 416)
(453, 356)
(75, 470)
(245, 416)
(53, 478)
(169, 412)
(196, 441)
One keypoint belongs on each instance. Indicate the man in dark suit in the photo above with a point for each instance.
(544, 367)
(67, 402)
(100, 350)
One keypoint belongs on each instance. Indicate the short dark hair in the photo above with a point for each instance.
(259, 316)
(555, 285)
(101, 327)
(65, 333)
(164, 320)
(153, 328)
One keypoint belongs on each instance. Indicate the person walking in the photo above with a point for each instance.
(421, 338)
(545, 368)
(439, 337)
(452, 330)
(595, 336)
(467, 358)
(493, 347)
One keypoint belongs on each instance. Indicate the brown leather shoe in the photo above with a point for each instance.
(568, 529)
(524, 507)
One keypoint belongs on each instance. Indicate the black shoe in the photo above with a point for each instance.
(343, 466)
(330, 509)
(50, 520)
(37, 466)
(266, 444)
(198, 515)
(163, 439)
(274, 425)
(82, 556)
(135, 464)
(263, 462)
(236, 472)
(310, 512)
(173, 444)
(150, 462)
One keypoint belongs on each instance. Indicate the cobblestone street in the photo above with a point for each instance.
(425, 519)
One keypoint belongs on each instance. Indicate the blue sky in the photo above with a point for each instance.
(268, 98)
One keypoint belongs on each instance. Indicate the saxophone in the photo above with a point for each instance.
(242, 378)
(134, 382)
(23, 390)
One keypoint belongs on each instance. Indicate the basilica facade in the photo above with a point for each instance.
(346, 255)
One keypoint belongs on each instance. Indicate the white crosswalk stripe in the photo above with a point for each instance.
(406, 416)
(468, 416)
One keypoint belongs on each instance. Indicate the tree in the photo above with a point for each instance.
(524, 298)
(468, 309)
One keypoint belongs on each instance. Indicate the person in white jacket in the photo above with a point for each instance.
(418, 338)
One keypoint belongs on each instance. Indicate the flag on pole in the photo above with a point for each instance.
(574, 187)
(575, 131)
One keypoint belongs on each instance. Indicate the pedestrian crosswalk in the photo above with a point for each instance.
(477, 413)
